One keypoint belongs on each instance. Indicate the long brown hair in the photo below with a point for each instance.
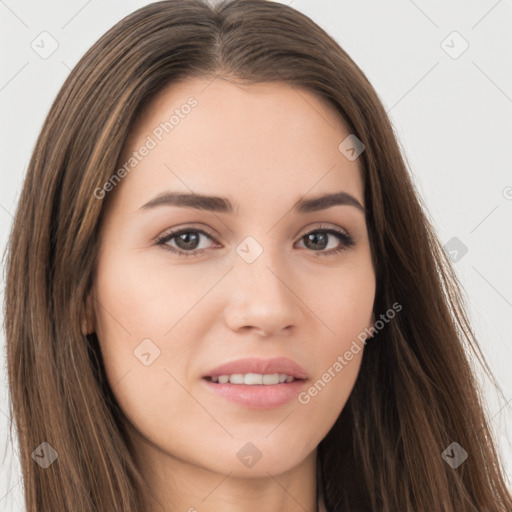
(415, 394)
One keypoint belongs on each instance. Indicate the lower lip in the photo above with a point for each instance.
(259, 396)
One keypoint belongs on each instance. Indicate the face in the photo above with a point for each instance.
(186, 286)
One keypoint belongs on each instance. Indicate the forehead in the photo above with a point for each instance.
(214, 136)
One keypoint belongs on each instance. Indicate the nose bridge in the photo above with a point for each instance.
(262, 297)
(258, 261)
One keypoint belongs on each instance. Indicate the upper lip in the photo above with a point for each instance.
(257, 365)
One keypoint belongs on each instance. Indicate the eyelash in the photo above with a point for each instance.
(346, 239)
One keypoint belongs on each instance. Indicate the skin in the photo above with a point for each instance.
(263, 147)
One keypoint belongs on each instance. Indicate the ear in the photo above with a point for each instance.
(89, 322)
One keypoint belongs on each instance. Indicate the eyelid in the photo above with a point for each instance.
(322, 227)
(205, 230)
(170, 234)
(344, 236)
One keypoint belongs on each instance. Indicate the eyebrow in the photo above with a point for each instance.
(224, 205)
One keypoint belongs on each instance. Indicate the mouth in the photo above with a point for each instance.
(257, 383)
(253, 379)
(254, 371)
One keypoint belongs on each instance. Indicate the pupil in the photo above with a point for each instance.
(314, 238)
(186, 237)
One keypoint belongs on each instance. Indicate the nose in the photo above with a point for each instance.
(262, 297)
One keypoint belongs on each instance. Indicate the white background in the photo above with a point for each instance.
(453, 117)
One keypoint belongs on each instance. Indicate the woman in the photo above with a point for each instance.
(222, 290)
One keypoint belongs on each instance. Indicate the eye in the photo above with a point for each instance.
(185, 241)
(319, 239)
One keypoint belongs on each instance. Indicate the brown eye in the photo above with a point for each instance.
(186, 241)
(318, 240)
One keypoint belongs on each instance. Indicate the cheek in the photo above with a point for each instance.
(144, 335)
(343, 303)
(336, 372)
(142, 295)
(345, 307)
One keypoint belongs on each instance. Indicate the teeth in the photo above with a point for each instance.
(252, 379)
(269, 378)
